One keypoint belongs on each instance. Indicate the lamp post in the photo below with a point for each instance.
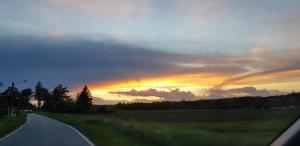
(13, 84)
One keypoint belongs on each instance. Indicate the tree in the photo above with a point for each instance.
(48, 103)
(40, 93)
(7, 99)
(70, 106)
(24, 98)
(84, 100)
(60, 98)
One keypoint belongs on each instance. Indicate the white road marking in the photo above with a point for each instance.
(15, 131)
(292, 130)
(84, 137)
(78, 132)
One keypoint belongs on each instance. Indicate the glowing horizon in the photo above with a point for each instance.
(164, 50)
(193, 84)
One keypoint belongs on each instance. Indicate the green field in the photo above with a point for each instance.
(196, 116)
(183, 128)
(9, 123)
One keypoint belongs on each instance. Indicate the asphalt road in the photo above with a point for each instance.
(43, 131)
(290, 137)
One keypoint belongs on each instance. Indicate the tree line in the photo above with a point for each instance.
(289, 100)
(56, 100)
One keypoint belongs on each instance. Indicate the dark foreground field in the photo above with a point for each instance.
(192, 116)
(183, 128)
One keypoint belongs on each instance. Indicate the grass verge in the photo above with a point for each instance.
(114, 132)
(9, 123)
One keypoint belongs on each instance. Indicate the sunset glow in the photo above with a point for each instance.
(152, 50)
(199, 84)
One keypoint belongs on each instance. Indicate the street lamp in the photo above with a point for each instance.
(19, 82)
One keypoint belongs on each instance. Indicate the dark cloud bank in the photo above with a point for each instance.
(74, 61)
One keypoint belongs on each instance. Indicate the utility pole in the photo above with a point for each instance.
(11, 108)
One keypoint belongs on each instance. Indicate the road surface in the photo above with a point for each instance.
(43, 131)
(290, 137)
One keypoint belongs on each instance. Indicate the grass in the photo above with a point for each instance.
(9, 123)
(117, 131)
(196, 116)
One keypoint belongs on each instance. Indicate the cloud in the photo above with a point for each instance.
(119, 8)
(81, 61)
(78, 61)
(274, 58)
(173, 95)
(202, 11)
(101, 101)
(269, 62)
(276, 75)
(74, 61)
(177, 95)
(238, 92)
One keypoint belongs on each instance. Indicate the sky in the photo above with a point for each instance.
(152, 50)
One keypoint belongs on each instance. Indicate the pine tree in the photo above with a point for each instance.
(84, 100)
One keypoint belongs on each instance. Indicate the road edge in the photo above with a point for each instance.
(288, 135)
(71, 127)
(82, 135)
(16, 130)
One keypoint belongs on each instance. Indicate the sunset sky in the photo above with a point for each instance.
(152, 50)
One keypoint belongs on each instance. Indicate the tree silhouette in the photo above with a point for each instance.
(289, 100)
(84, 100)
(40, 93)
(60, 97)
(8, 98)
(24, 98)
(48, 103)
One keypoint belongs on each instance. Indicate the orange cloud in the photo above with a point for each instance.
(191, 83)
(173, 95)
(266, 77)
(165, 82)
(195, 82)
(149, 95)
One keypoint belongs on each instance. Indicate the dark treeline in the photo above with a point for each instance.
(59, 101)
(288, 100)
(9, 104)
(12, 100)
